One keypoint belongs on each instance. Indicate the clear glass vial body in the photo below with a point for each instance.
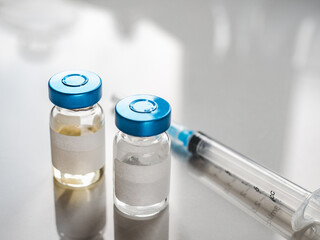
(77, 145)
(141, 174)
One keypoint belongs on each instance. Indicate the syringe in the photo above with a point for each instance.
(280, 204)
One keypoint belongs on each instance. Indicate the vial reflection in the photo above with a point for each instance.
(80, 213)
(155, 228)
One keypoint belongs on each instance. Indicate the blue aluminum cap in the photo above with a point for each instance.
(75, 89)
(143, 115)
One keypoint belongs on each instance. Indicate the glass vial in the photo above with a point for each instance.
(77, 128)
(141, 153)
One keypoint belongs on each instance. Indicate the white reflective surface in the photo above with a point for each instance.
(244, 72)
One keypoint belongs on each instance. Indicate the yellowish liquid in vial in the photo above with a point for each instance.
(77, 131)
(77, 180)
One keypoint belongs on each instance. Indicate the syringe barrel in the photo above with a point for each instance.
(278, 187)
(279, 197)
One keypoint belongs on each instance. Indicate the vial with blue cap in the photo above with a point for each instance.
(77, 128)
(141, 152)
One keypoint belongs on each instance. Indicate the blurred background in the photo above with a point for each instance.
(245, 72)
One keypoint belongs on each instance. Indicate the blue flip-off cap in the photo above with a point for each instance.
(75, 89)
(143, 115)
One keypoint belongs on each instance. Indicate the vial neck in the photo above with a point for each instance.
(77, 109)
(140, 140)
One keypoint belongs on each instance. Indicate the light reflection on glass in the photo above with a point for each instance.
(80, 213)
(155, 228)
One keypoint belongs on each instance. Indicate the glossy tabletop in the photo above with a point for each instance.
(244, 72)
